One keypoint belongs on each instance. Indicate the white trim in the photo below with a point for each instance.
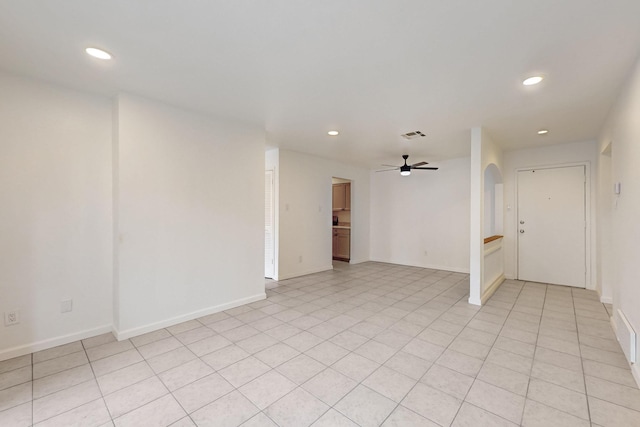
(635, 370)
(606, 300)
(304, 273)
(52, 342)
(491, 289)
(128, 333)
(464, 270)
(587, 208)
(358, 261)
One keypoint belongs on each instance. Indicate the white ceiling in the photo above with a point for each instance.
(371, 69)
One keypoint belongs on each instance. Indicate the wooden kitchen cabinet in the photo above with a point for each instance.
(341, 197)
(341, 244)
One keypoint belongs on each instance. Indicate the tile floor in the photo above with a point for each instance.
(365, 345)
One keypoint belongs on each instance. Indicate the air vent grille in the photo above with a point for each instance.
(413, 135)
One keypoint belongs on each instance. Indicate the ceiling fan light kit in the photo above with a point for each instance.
(405, 170)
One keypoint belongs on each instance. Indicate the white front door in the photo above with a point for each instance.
(269, 250)
(552, 226)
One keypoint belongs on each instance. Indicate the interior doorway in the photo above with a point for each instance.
(341, 191)
(552, 225)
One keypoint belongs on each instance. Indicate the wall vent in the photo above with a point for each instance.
(626, 336)
(413, 135)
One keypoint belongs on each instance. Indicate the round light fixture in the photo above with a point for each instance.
(543, 132)
(405, 173)
(98, 53)
(534, 80)
(333, 132)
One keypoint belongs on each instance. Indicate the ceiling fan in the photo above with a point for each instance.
(405, 170)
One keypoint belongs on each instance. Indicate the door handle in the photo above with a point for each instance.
(521, 230)
(521, 222)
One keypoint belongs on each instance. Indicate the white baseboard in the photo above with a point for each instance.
(429, 266)
(358, 261)
(304, 272)
(133, 332)
(635, 370)
(606, 300)
(21, 350)
(491, 289)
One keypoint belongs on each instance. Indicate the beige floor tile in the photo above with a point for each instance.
(408, 364)
(256, 343)
(94, 413)
(230, 410)
(57, 352)
(472, 416)
(628, 397)
(349, 340)
(432, 404)
(17, 416)
(161, 412)
(365, 407)
(539, 415)
(224, 357)
(15, 377)
(333, 418)
(559, 398)
(425, 350)
(197, 334)
(244, 371)
(183, 327)
(115, 362)
(98, 340)
(266, 389)
(560, 376)
(509, 360)
(389, 383)
(298, 408)
(276, 354)
(108, 349)
(15, 363)
(184, 374)
(61, 380)
(355, 366)
(303, 341)
(300, 368)
(134, 396)
(448, 381)
(327, 353)
(403, 417)
(329, 386)
(124, 377)
(16, 395)
(202, 392)
(610, 373)
(54, 365)
(496, 400)
(64, 400)
(150, 337)
(610, 415)
(170, 359)
(507, 379)
(460, 362)
(208, 345)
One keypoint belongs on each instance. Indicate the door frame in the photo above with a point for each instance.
(587, 210)
(273, 223)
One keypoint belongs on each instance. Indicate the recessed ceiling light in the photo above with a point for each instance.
(333, 132)
(98, 53)
(534, 80)
(543, 132)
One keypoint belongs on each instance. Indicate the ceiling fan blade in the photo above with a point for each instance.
(419, 164)
(387, 170)
(391, 166)
(430, 169)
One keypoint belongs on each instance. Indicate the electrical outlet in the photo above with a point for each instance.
(11, 318)
(66, 306)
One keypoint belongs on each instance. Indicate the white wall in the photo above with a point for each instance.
(55, 215)
(304, 219)
(190, 215)
(623, 128)
(484, 153)
(426, 211)
(563, 154)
